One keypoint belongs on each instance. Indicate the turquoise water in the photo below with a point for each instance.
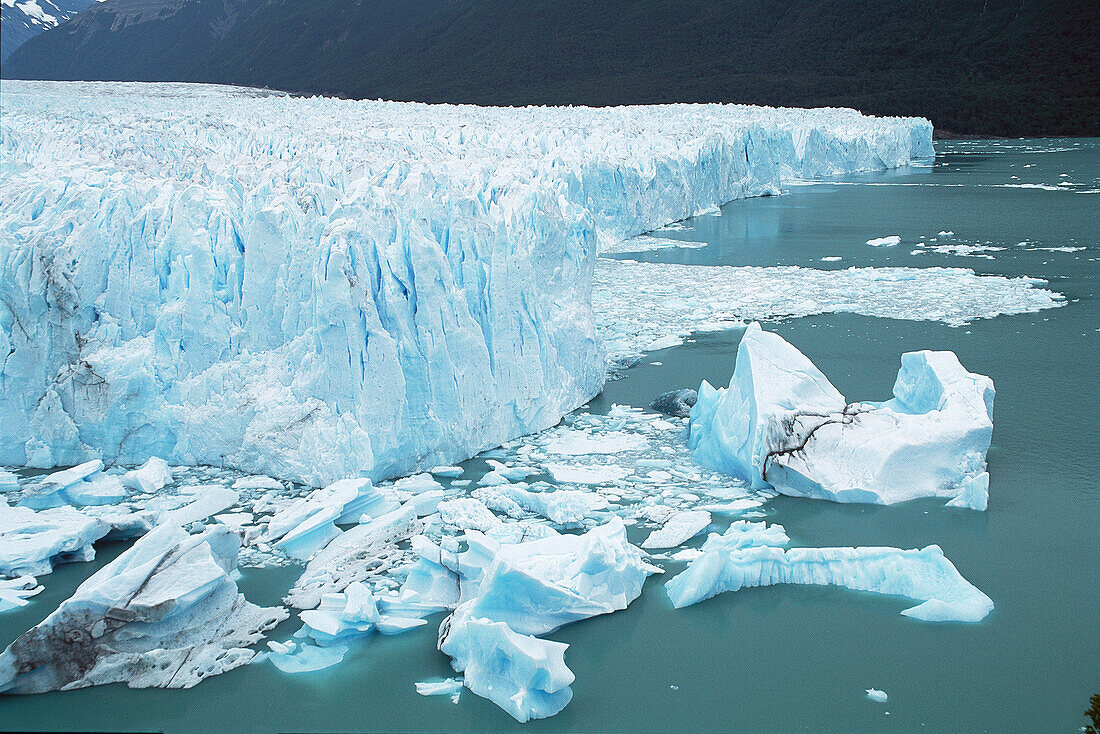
(795, 658)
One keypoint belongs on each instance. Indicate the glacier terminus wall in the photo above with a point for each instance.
(320, 288)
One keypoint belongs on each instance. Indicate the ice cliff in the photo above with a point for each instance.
(319, 289)
(782, 424)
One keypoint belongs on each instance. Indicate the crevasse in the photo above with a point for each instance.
(319, 288)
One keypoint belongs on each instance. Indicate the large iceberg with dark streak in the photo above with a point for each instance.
(317, 289)
(166, 613)
(782, 424)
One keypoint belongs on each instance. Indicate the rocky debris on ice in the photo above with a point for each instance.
(165, 613)
(782, 424)
(367, 550)
(676, 403)
(15, 592)
(32, 543)
(533, 588)
(750, 554)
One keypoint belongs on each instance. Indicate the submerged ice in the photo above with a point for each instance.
(782, 424)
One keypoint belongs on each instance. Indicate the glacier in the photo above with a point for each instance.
(318, 289)
(165, 613)
(782, 424)
(752, 554)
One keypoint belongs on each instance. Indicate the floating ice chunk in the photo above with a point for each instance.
(876, 695)
(153, 475)
(8, 482)
(888, 241)
(781, 424)
(351, 614)
(50, 492)
(676, 403)
(310, 523)
(538, 586)
(974, 494)
(447, 471)
(165, 613)
(678, 529)
(366, 550)
(665, 342)
(592, 474)
(946, 233)
(566, 507)
(446, 687)
(417, 484)
(831, 259)
(577, 443)
(467, 513)
(209, 499)
(258, 482)
(533, 588)
(97, 489)
(735, 507)
(15, 592)
(302, 657)
(747, 558)
(34, 542)
(525, 676)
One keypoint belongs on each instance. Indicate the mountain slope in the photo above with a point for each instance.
(1009, 67)
(23, 19)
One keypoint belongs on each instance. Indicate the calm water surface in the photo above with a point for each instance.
(793, 658)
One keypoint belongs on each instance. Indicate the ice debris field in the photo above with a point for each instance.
(264, 330)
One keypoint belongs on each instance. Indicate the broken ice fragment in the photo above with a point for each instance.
(678, 529)
(876, 695)
(34, 542)
(15, 592)
(751, 555)
(153, 475)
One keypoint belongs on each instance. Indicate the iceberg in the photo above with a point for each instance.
(751, 555)
(165, 613)
(181, 277)
(781, 424)
(150, 477)
(15, 592)
(447, 687)
(532, 588)
(525, 676)
(564, 507)
(32, 543)
(310, 524)
(679, 528)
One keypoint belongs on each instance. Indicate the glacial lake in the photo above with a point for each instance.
(793, 658)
